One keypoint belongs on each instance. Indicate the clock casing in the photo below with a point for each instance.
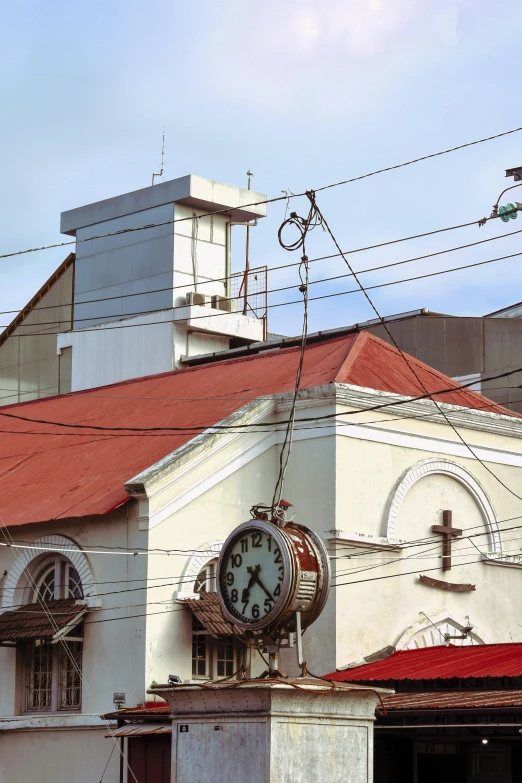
(267, 573)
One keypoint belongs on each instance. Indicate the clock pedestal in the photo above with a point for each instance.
(271, 733)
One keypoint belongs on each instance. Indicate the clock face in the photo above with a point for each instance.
(252, 575)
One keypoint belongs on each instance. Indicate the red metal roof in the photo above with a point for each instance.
(452, 700)
(51, 472)
(431, 663)
(149, 709)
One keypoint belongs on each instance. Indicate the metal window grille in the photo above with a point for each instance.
(74, 587)
(39, 676)
(70, 696)
(250, 292)
(47, 586)
(225, 658)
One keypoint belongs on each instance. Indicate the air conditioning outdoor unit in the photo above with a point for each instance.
(223, 303)
(195, 298)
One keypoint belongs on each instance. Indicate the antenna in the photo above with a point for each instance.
(247, 259)
(160, 174)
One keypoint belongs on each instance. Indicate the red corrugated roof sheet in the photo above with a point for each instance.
(452, 700)
(50, 472)
(149, 709)
(432, 663)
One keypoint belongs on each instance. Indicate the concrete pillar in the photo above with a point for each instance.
(271, 733)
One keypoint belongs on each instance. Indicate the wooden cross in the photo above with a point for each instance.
(448, 533)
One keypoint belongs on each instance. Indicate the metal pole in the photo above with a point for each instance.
(247, 260)
(121, 759)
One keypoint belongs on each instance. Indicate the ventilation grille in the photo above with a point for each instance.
(223, 303)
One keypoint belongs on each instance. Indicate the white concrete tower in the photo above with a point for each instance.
(145, 297)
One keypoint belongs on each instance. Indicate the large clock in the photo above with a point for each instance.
(267, 573)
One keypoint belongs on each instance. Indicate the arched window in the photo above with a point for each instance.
(57, 579)
(52, 671)
(211, 658)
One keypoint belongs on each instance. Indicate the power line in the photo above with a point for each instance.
(121, 316)
(286, 197)
(410, 366)
(217, 426)
(115, 325)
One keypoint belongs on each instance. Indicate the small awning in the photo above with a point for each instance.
(141, 730)
(50, 621)
(207, 610)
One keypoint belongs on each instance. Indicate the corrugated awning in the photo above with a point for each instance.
(453, 700)
(141, 730)
(207, 610)
(50, 621)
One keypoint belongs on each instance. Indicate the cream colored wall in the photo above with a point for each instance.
(29, 364)
(372, 614)
(212, 516)
(56, 757)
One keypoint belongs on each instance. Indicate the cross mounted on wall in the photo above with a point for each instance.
(448, 533)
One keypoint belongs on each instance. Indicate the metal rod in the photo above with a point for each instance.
(121, 758)
(247, 259)
(273, 663)
(299, 639)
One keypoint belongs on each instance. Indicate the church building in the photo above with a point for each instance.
(116, 500)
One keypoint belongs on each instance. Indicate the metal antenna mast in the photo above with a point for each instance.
(160, 174)
(247, 259)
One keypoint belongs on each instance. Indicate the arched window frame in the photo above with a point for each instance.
(51, 674)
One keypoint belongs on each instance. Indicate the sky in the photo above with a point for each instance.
(303, 94)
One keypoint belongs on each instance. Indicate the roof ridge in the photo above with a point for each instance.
(356, 345)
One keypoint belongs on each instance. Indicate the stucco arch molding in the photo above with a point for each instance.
(458, 473)
(194, 565)
(52, 544)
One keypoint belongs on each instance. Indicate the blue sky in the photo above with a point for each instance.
(303, 94)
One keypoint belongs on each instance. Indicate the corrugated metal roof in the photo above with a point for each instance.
(432, 663)
(32, 621)
(141, 730)
(207, 609)
(452, 700)
(49, 472)
(150, 708)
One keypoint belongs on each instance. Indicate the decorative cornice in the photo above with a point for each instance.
(362, 541)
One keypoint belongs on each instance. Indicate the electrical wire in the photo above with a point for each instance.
(286, 197)
(287, 266)
(238, 427)
(410, 366)
(304, 226)
(134, 314)
(118, 325)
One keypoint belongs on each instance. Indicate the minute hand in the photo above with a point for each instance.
(261, 585)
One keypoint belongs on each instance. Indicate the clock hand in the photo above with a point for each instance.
(261, 585)
(253, 571)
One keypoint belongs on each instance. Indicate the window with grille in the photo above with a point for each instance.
(211, 658)
(53, 672)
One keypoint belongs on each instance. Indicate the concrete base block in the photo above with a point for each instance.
(271, 733)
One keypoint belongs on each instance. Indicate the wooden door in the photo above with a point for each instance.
(149, 758)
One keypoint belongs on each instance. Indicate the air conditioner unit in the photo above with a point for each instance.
(195, 298)
(223, 303)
